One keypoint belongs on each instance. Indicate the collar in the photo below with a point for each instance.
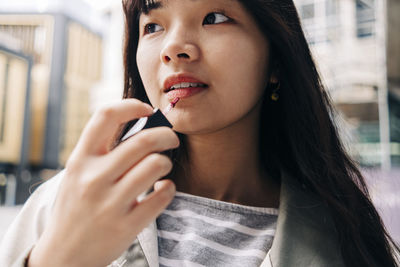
(149, 242)
(305, 234)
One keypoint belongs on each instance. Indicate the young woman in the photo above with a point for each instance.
(263, 178)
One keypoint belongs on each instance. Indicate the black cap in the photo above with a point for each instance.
(156, 120)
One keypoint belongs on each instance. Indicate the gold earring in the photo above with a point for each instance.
(275, 95)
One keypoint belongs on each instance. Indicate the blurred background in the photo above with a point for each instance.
(61, 59)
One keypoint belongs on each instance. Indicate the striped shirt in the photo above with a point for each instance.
(198, 231)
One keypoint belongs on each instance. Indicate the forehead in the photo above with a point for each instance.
(148, 5)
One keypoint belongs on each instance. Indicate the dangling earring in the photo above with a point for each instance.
(275, 95)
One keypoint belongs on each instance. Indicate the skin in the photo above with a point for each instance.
(96, 203)
(231, 56)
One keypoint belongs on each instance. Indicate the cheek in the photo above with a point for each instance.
(147, 60)
(140, 61)
(243, 68)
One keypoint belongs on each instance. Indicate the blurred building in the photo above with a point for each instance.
(15, 69)
(50, 58)
(356, 44)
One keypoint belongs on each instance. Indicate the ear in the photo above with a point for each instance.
(273, 78)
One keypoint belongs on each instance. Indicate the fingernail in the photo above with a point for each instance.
(172, 189)
(150, 108)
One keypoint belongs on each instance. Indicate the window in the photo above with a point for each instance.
(307, 11)
(319, 19)
(365, 18)
(331, 7)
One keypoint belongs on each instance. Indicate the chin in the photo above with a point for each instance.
(184, 129)
(196, 128)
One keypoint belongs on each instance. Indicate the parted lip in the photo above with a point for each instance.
(180, 78)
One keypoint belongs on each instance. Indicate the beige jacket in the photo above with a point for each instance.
(305, 234)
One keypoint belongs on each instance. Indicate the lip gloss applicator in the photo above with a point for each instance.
(157, 119)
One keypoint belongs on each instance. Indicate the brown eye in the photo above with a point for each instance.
(215, 18)
(152, 28)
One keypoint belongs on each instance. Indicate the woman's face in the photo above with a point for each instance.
(211, 54)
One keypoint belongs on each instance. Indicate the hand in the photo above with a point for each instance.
(96, 216)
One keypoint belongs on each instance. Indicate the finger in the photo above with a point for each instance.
(141, 178)
(148, 209)
(101, 128)
(134, 149)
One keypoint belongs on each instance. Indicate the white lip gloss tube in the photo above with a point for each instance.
(157, 119)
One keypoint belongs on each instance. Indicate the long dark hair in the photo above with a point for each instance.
(303, 140)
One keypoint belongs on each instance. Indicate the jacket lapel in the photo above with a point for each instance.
(149, 243)
(305, 234)
(267, 261)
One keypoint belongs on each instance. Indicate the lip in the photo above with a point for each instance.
(184, 92)
(180, 78)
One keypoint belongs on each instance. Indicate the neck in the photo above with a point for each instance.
(225, 165)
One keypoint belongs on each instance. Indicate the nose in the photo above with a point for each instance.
(180, 49)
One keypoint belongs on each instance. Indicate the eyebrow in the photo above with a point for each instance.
(150, 5)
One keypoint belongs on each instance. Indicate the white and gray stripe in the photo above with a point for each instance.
(196, 231)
